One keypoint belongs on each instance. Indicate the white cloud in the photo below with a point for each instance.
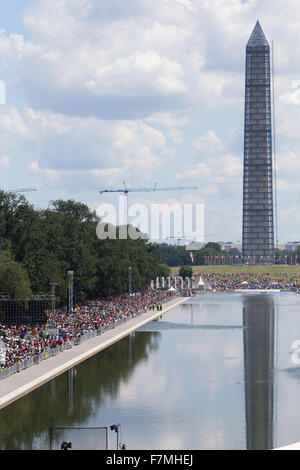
(92, 150)
(194, 172)
(141, 72)
(288, 161)
(291, 97)
(111, 88)
(286, 185)
(81, 50)
(176, 136)
(183, 49)
(12, 123)
(167, 120)
(231, 166)
(4, 161)
(288, 231)
(208, 143)
(51, 176)
(213, 170)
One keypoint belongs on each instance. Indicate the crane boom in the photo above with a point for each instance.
(126, 190)
(155, 188)
(22, 190)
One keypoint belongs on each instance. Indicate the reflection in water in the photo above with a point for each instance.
(73, 397)
(259, 321)
(52, 387)
(210, 374)
(70, 391)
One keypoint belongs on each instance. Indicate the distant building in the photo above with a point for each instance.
(281, 246)
(292, 246)
(258, 224)
(227, 246)
(194, 246)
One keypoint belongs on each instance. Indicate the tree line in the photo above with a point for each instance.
(174, 256)
(211, 253)
(39, 246)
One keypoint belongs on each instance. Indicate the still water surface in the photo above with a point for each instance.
(217, 372)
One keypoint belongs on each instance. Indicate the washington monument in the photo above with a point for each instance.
(258, 220)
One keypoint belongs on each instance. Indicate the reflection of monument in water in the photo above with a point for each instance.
(258, 330)
(259, 326)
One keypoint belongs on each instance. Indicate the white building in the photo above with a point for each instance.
(227, 246)
(292, 246)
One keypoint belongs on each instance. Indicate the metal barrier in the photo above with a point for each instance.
(54, 351)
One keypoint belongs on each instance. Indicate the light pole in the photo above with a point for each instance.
(130, 280)
(53, 285)
(115, 427)
(71, 278)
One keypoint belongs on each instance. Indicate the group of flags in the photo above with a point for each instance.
(237, 256)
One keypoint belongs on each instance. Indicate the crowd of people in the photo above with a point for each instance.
(231, 281)
(64, 329)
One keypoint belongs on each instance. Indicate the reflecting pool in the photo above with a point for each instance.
(221, 371)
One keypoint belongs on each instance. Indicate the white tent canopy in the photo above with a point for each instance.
(201, 282)
(171, 289)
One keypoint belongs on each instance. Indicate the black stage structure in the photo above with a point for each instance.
(31, 311)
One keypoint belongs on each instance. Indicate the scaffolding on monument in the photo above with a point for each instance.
(258, 213)
(274, 147)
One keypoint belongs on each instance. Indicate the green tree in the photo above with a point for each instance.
(48, 243)
(115, 257)
(214, 246)
(14, 280)
(204, 256)
(186, 271)
(171, 255)
(164, 270)
(297, 253)
(279, 256)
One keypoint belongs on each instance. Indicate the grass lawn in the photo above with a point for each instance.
(273, 269)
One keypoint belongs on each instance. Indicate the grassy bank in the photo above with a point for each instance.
(273, 269)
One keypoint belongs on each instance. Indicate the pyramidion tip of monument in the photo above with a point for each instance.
(257, 38)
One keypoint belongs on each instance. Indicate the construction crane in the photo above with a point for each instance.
(127, 190)
(22, 190)
(147, 190)
(178, 238)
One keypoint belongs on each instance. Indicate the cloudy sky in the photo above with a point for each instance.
(144, 91)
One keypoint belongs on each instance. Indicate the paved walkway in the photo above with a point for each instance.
(21, 383)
